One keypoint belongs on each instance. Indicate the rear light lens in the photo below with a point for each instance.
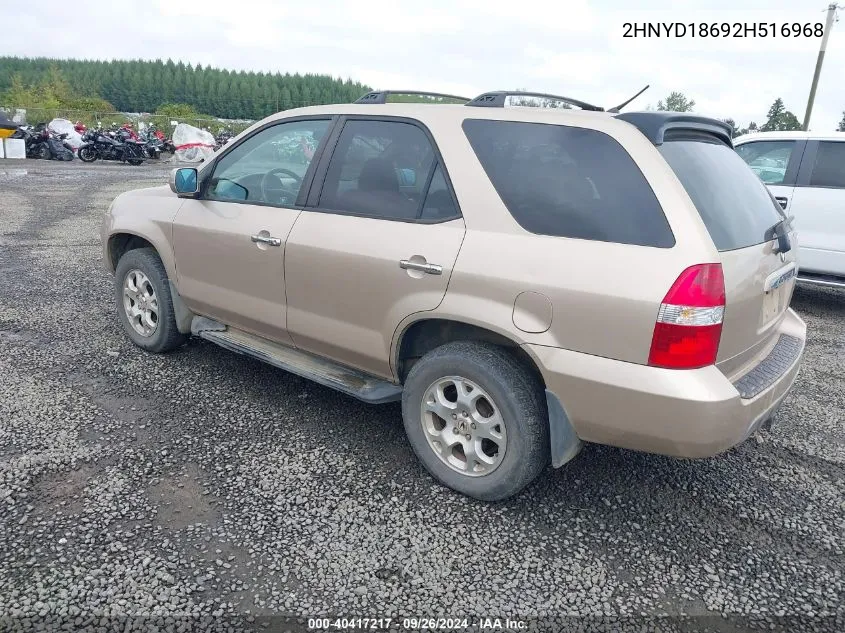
(689, 322)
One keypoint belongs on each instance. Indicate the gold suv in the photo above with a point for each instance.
(523, 279)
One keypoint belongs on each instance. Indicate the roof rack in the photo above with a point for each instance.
(380, 96)
(496, 99)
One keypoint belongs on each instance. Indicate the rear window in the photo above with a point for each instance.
(569, 182)
(735, 205)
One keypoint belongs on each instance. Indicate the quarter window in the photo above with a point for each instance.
(381, 169)
(268, 167)
(439, 204)
(829, 169)
(569, 182)
(767, 159)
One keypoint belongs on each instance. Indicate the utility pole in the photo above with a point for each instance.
(831, 14)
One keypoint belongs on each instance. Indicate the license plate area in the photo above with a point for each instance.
(777, 292)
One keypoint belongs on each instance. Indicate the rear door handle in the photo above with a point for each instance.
(782, 201)
(265, 239)
(430, 269)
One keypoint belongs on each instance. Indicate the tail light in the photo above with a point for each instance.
(689, 322)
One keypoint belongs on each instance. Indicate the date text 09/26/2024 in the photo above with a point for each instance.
(722, 29)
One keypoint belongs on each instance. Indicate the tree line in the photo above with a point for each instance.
(778, 119)
(144, 86)
(154, 86)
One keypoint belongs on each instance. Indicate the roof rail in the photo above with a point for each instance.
(380, 96)
(496, 99)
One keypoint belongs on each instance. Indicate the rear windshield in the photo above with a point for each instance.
(569, 182)
(735, 205)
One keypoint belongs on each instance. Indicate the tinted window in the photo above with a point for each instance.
(379, 168)
(829, 169)
(767, 159)
(268, 167)
(735, 205)
(439, 204)
(569, 182)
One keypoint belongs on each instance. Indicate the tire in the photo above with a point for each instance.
(44, 153)
(516, 398)
(165, 335)
(87, 154)
(135, 161)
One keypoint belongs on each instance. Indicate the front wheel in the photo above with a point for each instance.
(87, 154)
(144, 303)
(135, 161)
(477, 419)
(44, 153)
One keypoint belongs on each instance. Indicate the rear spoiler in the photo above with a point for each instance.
(656, 126)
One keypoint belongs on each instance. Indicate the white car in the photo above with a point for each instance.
(806, 173)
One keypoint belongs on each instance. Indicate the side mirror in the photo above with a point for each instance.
(183, 182)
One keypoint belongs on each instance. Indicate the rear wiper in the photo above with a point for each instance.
(781, 231)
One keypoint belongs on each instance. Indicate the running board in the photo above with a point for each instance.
(828, 281)
(350, 381)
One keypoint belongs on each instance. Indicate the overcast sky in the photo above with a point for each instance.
(570, 47)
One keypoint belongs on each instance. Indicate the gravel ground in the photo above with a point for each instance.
(202, 490)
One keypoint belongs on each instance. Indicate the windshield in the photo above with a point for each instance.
(736, 206)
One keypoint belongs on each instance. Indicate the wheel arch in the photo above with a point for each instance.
(422, 335)
(121, 242)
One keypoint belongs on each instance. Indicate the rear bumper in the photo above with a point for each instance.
(684, 413)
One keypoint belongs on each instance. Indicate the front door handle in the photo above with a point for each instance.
(430, 269)
(266, 239)
(782, 201)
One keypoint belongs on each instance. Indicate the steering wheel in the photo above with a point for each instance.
(280, 191)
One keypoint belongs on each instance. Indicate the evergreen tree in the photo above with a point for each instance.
(143, 86)
(780, 119)
(676, 102)
(841, 127)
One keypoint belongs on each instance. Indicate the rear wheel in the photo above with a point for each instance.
(44, 153)
(135, 161)
(477, 419)
(87, 154)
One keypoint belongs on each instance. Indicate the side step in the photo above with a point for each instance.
(814, 279)
(350, 381)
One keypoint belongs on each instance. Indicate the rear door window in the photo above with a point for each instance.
(735, 205)
(569, 182)
(829, 168)
(767, 159)
(379, 169)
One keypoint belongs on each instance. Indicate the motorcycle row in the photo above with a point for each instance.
(116, 143)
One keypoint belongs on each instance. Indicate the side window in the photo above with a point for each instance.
(829, 168)
(268, 167)
(380, 169)
(767, 159)
(569, 182)
(439, 204)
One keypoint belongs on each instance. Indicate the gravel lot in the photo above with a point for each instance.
(205, 484)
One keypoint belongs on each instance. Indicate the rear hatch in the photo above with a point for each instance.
(744, 221)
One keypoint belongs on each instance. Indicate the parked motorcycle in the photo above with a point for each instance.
(155, 143)
(99, 144)
(60, 149)
(41, 142)
(223, 137)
